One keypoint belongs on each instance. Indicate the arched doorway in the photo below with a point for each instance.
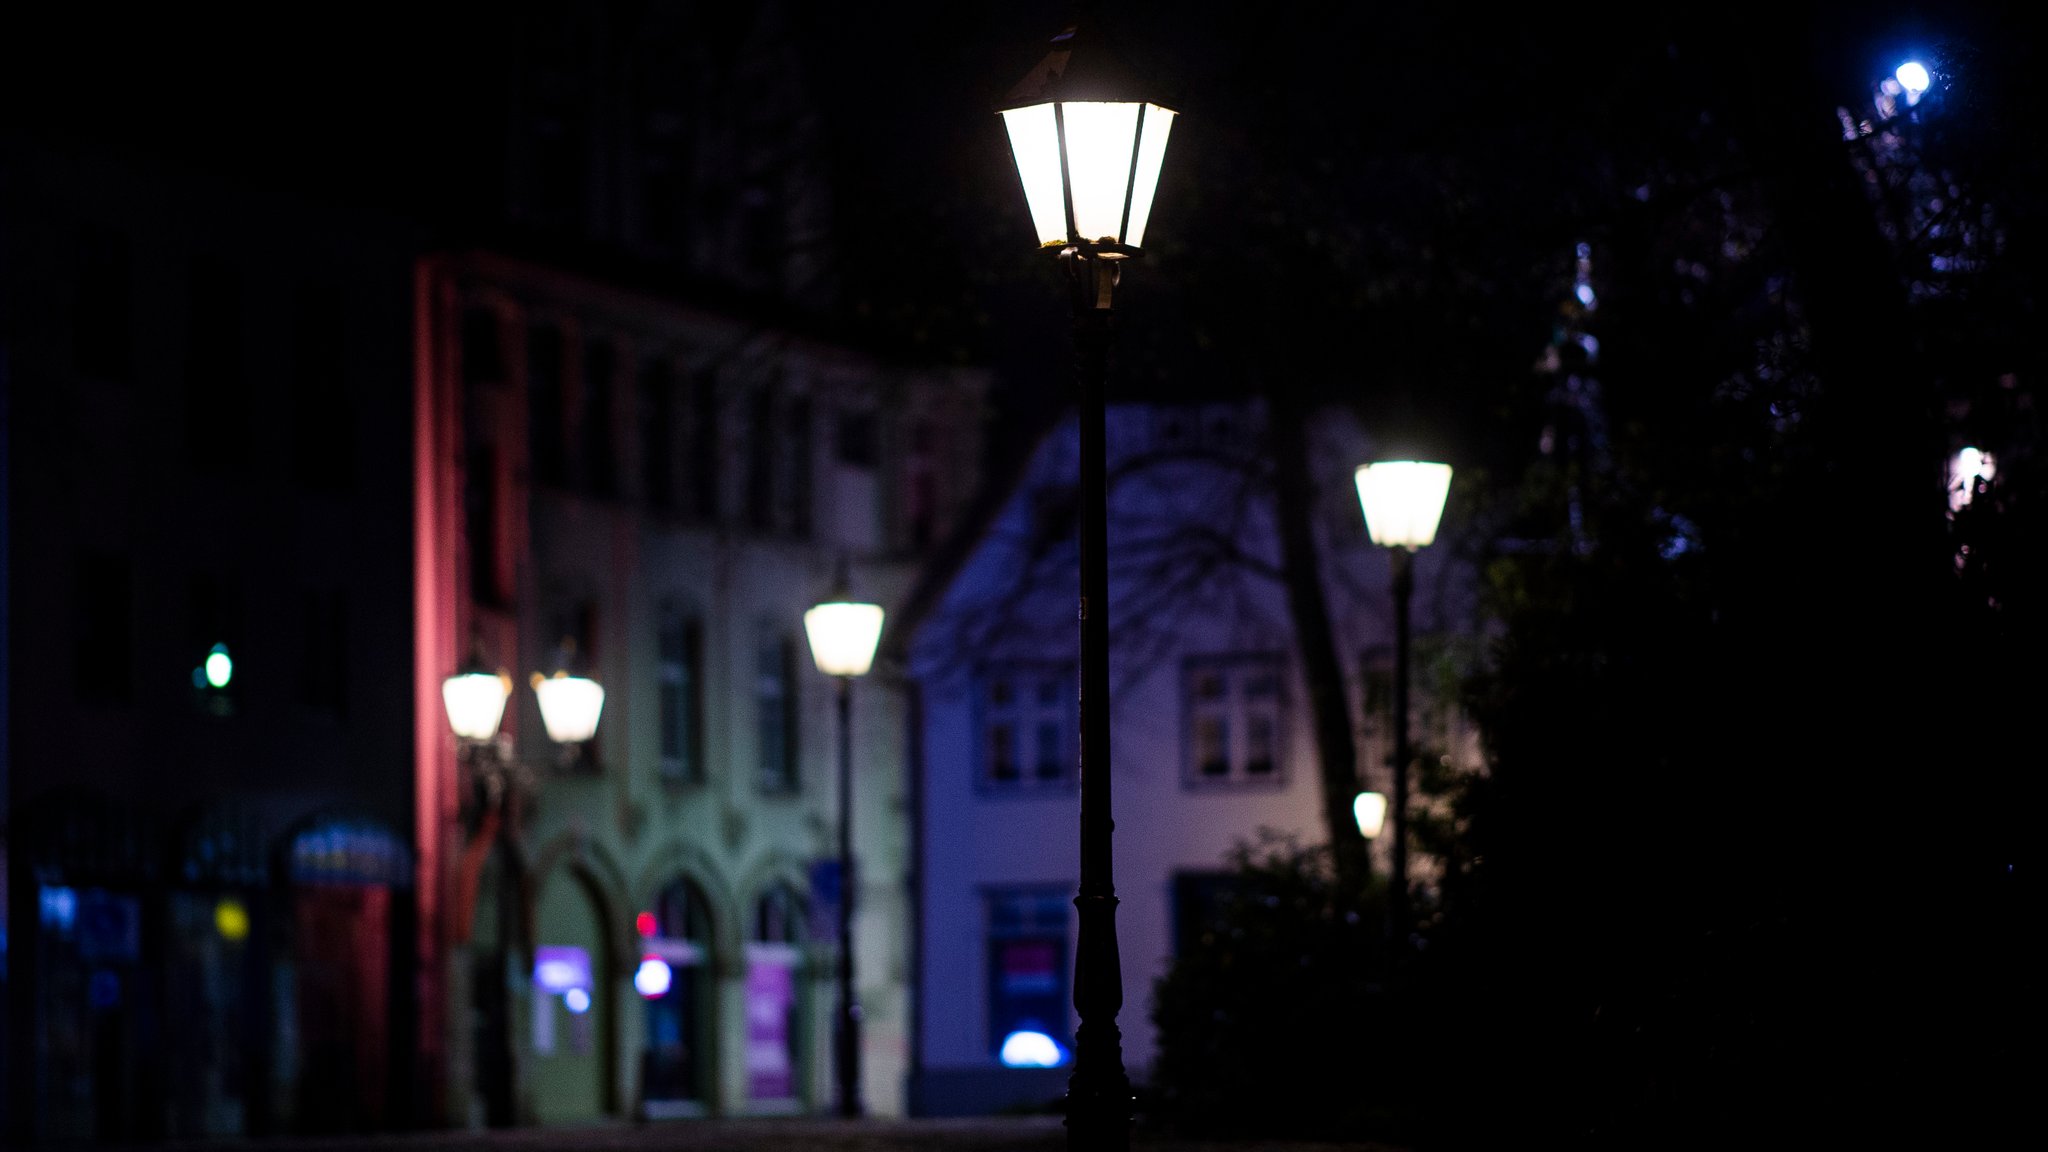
(676, 1001)
(568, 1035)
(774, 1038)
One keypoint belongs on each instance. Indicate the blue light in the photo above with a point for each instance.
(1028, 1049)
(577, 1000)
(653, 978)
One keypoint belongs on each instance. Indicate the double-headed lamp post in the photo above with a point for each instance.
(474, 698)
(1089, 154)
(1402, 501)
(843, 636)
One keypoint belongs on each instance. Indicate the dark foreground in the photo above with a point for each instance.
(994, 1134)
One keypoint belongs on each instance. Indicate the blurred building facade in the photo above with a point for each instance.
(653, 494)
(575, 396)
(1211, 735)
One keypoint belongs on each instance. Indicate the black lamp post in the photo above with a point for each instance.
(1402, 501)
(1089, 156)
(474, 698)
(843, 637)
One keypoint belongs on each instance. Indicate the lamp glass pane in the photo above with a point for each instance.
(843, 637)
(1403, 500)
(1035, 142)
(1151, 156)
(1100, 138)
(569, 707)
(475, 702)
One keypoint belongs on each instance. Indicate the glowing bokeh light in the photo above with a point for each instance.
(231, 920)
(577, 1000)
(654, 978)
(1028, 1049)
(644, 923)
(219, 668)
(1913, 78)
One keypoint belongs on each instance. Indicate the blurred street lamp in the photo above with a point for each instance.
(1089, 153)
(1402, 501)
(474, 698)
(1370, 810)
(843, 636)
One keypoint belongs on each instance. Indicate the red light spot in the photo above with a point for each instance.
(645, 923)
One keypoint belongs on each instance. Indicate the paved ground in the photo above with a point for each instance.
(1001, 1134)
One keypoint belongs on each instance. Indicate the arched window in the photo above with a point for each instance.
(675, 944)
(773, 1018)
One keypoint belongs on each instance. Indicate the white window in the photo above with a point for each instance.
(1027, 727)
(1236, 719)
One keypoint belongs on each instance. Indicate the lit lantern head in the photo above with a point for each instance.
(475, 700)
(1369, 809)
(1403, 500)
(569, 706)
(1088, 151)
(843, 636)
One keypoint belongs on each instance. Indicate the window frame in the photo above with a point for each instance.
(1027, 714)
(1239, 710)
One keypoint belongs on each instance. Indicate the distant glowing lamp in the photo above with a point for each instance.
(569, 706)
(644, 924)
(1370, 810)
(231, 920)
(1913, 77)
(1403, 500)
(653, 978)
(843, 636)
(220, 667)
(576, 1000)
(1025, 1048)
(1965, 468)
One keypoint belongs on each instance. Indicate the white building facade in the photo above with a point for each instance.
(1211, 734)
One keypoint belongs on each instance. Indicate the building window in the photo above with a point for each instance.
(1235, 708)
(775, 710)
(761, 461)
(774, 955)
(680, 649)
(1027, 977)
(675, 992)
(1027, 723)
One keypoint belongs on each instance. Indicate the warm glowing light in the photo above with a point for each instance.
(843, 637)
(1027, 1049)
(569, 706)
(1403, 500)
(231, 920)
(1370, 810)
(219, 667)
(577, 1000)
(653, 978)
(644, 924)
(475, 702)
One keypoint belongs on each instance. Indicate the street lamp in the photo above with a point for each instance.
(1089, 157)
(475, 698)
(1402, 501)
(843, 635)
